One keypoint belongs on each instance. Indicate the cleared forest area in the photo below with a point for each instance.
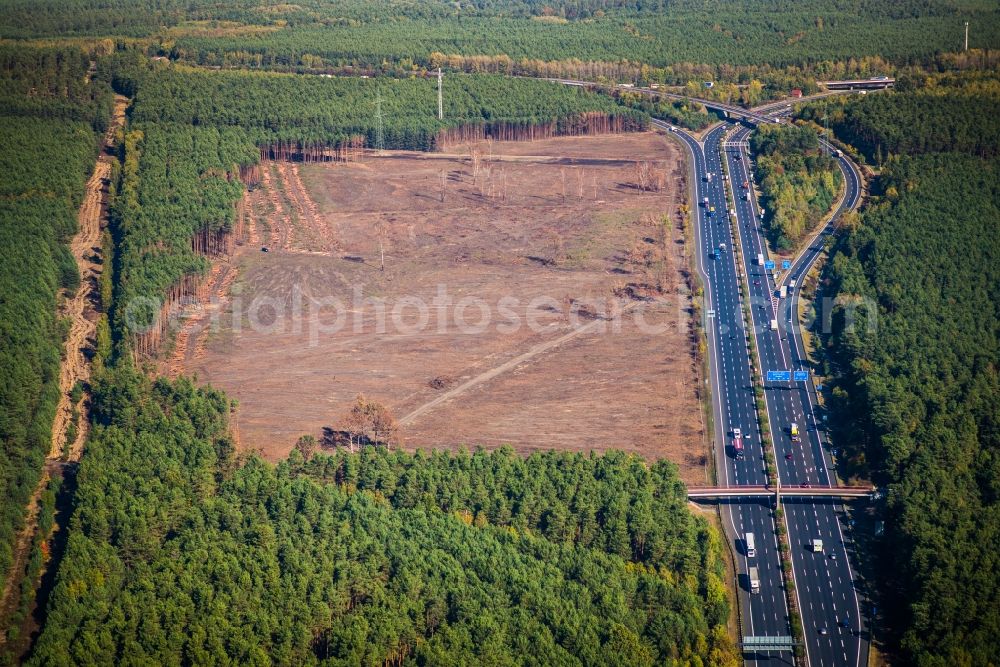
(569, 231)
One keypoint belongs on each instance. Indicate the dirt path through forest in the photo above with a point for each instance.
(82, 308)
(82, 311)
(22, 547)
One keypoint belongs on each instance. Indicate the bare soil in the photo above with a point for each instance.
(546, 240)
(81, 308)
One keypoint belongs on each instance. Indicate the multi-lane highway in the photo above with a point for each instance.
(765, 613)
(834, 629)
(825, 589)
(825, 586)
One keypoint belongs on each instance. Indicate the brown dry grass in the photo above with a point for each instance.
(558, 218)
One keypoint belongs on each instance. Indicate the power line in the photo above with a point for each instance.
(440, 97)
(379, 125)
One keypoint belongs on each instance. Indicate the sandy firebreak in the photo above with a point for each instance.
(522, 293)
(80, 309)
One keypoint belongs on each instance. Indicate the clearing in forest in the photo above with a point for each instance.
(523, 293)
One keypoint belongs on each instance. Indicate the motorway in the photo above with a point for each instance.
(764, 614)
(835, 632)
(825, 587)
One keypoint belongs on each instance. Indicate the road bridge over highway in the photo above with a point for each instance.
(877, 83)
(825, 586)
(746, 491)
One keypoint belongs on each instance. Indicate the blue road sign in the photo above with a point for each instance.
(769, 265)
(786, 264)
(800, 376)
(779, 376)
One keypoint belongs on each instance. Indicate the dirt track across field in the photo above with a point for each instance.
(527, 293)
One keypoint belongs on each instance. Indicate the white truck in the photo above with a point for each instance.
(754, 580)
(749, 542)
(791, 284)
(783, 292)
(760, 259)
(774, 325)
(816, 546)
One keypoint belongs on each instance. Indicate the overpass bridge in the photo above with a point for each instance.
(730, 111)
(723, 492)
(756, 116)
(877, 83)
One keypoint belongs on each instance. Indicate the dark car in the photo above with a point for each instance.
(264, 249)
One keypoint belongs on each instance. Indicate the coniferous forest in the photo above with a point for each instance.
(914, 344)
(182, 553)
(49, 129)
(318, 33)
(798, 181)
(179, 547)
(927, 114)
